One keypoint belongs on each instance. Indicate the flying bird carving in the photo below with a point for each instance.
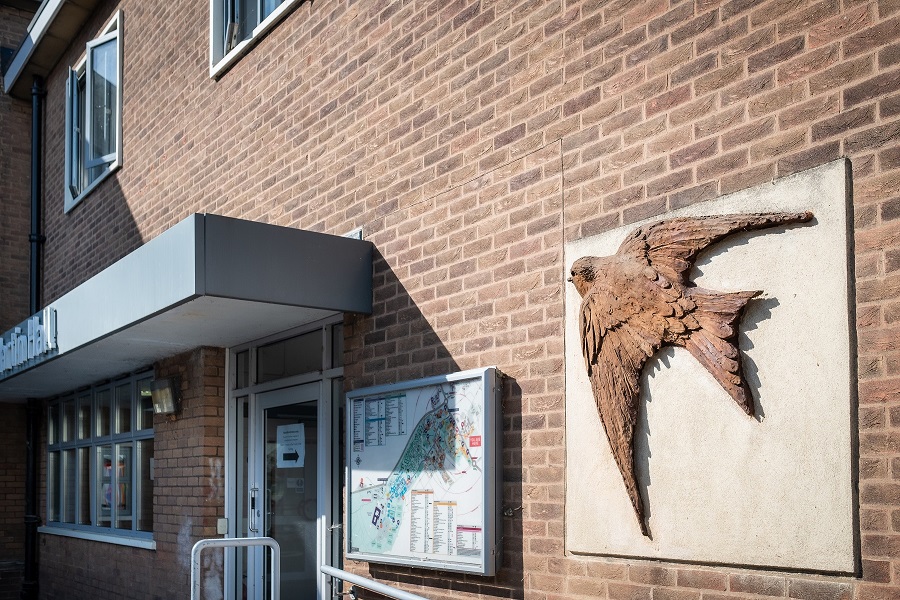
(639, 300)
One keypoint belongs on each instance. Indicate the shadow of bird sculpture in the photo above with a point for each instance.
(639, 300)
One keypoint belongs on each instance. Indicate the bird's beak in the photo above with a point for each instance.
(569, 279)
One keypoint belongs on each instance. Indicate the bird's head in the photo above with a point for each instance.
(583, 273)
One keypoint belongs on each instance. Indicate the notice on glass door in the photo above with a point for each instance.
(290, 446)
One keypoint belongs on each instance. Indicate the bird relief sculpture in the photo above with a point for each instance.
(639, 300)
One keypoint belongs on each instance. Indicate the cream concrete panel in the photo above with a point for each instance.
(719, 486)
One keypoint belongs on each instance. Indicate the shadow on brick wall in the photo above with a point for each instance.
(398, 343)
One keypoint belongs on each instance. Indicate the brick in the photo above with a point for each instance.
(740, 49)
(695, 27)
(805, 19)
(806, 159)
(869, 39)
(742, 90)
(718, 79)
(585, 100)
(761, 585)
(819, 590)
(808, 63)
(872, 138)
(725, 33)
(772, 11)
(776, 54)
(718, 166)
(668, 100)
(881, 85)
(839, 27)
(735, 7)
(889, 107)
(843, 122)
(624, 43)
(693, 153)
(647, 51)
(803, 114)
(889, 56)
(748, 133)
(672, 18)
(707, 580)
(694, 68)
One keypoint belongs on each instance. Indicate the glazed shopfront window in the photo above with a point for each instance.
(100, 459)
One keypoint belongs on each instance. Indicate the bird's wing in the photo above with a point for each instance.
(618, 336)
(671, 246)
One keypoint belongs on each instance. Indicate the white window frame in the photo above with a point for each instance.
(76, 145)
(221, 58)
(58, 496)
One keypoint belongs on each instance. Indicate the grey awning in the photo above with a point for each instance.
(207, 281)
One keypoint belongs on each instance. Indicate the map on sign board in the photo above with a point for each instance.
(422, 472)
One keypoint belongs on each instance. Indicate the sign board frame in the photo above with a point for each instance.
(485, 492)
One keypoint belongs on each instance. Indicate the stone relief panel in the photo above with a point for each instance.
(709, 388)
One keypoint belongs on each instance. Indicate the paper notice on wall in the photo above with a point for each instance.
(291, 446)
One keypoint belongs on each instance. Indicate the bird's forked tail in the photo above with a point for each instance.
(714, 342)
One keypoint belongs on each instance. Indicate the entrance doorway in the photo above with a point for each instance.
(281, 455)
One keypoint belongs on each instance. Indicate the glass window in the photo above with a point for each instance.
(93, 115)
(237, 24)
(123, 408)
(293, 356)
(145, 410)
(102, 479)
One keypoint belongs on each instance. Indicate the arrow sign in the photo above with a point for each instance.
(291, 446)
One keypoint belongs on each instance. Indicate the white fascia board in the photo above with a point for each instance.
(36, 31)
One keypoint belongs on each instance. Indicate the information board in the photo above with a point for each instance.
(422, 472)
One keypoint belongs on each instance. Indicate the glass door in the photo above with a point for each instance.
(285, 490)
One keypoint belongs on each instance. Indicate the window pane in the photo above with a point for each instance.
(104, 485)
(247, 18)
(84, 486)
(84, 418)
(269, 6)
(243, 368)
(301, 354)
(123, 489)
(68, 486)
(145, 408)
(53, 424)
(337, 345)
(53, 486)
(68, 421)
(144, 481)
(104, 84)
(123, 408)
(103, 408)
(78, 141)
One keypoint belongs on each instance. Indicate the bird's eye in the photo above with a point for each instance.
(573, 273)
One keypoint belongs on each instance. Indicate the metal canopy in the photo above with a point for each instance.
(49, 34)
(207, 281)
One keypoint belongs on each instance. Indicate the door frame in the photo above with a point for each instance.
(330, 472)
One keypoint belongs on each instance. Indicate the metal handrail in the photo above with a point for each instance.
(275, 574)
(384, 590)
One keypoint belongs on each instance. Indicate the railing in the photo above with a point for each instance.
(275, 574)
(384, 590)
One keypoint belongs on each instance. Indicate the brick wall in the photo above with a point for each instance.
(469, 140)
(15, 190)
(188, 497)
(12, 499)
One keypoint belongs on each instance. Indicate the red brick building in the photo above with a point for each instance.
(200, 164)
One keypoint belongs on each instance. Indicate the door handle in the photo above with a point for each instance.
(268, 522)
(254, 511)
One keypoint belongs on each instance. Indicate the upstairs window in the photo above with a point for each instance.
(93, 114)
(237, 24)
